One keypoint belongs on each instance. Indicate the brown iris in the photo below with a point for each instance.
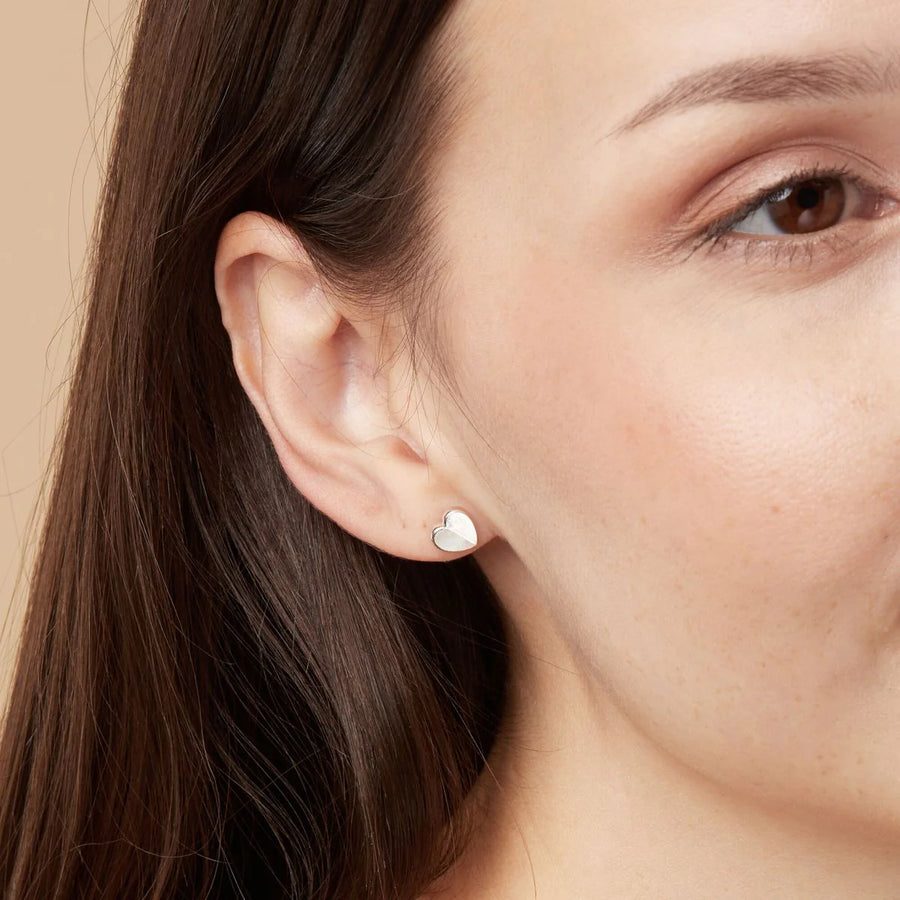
(810, 205)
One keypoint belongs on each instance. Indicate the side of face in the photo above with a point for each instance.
(695, 455)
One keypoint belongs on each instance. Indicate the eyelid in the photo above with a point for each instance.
(714, 236)
(758, 200)
(766, 194)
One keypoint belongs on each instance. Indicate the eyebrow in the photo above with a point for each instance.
(761, 79)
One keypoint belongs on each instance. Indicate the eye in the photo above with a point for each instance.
(809, 205)
(793, 214)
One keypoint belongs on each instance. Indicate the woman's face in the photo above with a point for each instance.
(685, 417)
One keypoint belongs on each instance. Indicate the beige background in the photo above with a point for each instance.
(60, 65)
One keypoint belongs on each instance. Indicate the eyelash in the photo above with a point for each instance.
(717, 236)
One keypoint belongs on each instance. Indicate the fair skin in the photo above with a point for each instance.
(683, 467)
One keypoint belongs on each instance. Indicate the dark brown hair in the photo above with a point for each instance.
(221, 693)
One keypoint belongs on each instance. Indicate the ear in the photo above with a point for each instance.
(310, 365)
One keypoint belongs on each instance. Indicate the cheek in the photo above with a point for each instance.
(768, 506)
(734, 450)
(715, 509)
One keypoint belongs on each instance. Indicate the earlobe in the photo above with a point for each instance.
(309, 365)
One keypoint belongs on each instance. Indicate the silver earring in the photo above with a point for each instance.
(457, 532)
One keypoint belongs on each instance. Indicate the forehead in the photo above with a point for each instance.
(598, 60)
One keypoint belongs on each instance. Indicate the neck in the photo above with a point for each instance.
(576, 802)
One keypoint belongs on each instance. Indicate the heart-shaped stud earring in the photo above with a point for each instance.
(457, 532)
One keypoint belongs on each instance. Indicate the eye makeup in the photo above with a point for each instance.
(826, 206)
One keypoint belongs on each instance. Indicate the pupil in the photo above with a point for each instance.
(808, 197)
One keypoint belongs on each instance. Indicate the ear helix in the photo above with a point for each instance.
(456, 533)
